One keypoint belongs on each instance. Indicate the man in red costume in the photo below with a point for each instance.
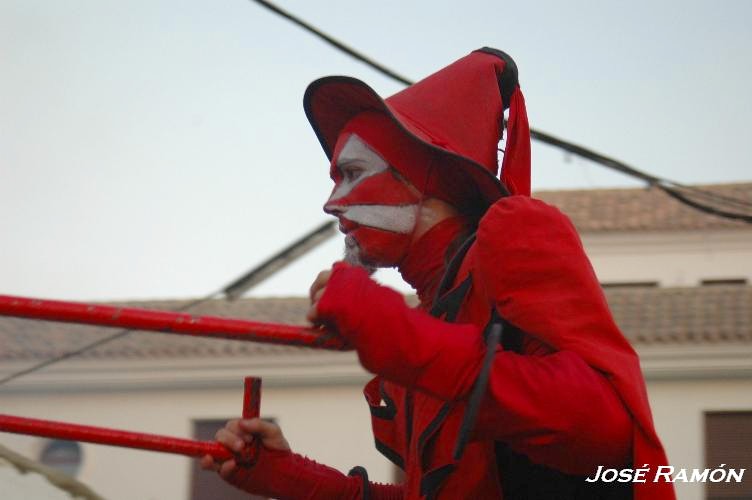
(416, 188)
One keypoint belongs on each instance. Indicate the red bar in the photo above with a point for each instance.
(168, 322)
(251, 409)
(252, 397)
(113, 437)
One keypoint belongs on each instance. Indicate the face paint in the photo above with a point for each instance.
(377, 209)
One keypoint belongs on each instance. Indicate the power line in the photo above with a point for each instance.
(280, 260)
(336, 43)
(668, 186)
(717, 197)
(677, 195)
(671, 188)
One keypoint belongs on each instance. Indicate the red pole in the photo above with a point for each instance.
(251, 409)
(251, 397)
(168, 322)
(140, 440)
(113, 437)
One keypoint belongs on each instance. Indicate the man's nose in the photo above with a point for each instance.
(333, 209)
(331, 206)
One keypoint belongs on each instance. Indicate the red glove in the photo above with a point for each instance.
(285, 475)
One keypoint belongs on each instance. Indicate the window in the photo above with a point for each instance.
(728, 440)
(724, 281)
(64, 456)
(630, 284)
(207, 485)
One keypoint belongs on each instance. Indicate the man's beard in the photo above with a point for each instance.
(354, 255)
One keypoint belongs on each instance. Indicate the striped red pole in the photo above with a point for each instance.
(168, 322)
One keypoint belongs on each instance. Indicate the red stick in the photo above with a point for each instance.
(252, 397)
(102, 435)
(168, 322)
(251, 409)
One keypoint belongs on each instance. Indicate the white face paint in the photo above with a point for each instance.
(399, 219)
(356, 158)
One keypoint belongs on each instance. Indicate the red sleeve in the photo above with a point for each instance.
(553, 408)
(288, 476)
(549, 407)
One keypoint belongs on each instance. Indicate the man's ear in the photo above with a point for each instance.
(431, 212)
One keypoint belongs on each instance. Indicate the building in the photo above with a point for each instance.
(678, 282)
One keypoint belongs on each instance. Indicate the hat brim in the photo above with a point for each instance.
(331, 102)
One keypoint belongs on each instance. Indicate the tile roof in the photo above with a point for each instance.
(644, 209)
(648, 316)
(692, 315)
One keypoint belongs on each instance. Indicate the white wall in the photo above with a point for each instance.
(678, 409)
(677, 258)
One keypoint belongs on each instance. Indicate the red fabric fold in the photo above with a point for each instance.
(515, 168)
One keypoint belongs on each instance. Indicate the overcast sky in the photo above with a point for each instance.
(159, 149)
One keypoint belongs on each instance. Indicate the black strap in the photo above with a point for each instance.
(360, 471)
(450, 303)
(431, 481)
(479, 390)
(453, 267)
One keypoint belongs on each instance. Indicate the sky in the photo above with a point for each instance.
(158, 149)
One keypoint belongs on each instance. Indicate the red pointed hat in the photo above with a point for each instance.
(457, 112)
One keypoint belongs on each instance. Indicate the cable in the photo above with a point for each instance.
(704, 208)
(716, 196)
(279, 260)
(97, 343)
(669, 187)
(336, 43)
(663, 184)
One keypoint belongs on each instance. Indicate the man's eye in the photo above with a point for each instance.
(350, 174)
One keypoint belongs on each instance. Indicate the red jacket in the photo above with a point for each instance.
(569, 398)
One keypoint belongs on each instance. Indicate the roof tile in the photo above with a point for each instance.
(647, 209)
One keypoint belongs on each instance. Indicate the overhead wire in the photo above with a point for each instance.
(671, 188)
(717, 197)
(335, 43)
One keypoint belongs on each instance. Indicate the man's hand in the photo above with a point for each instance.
(317, 290)
(237, 434)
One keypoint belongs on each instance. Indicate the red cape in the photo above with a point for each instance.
(537, 269)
